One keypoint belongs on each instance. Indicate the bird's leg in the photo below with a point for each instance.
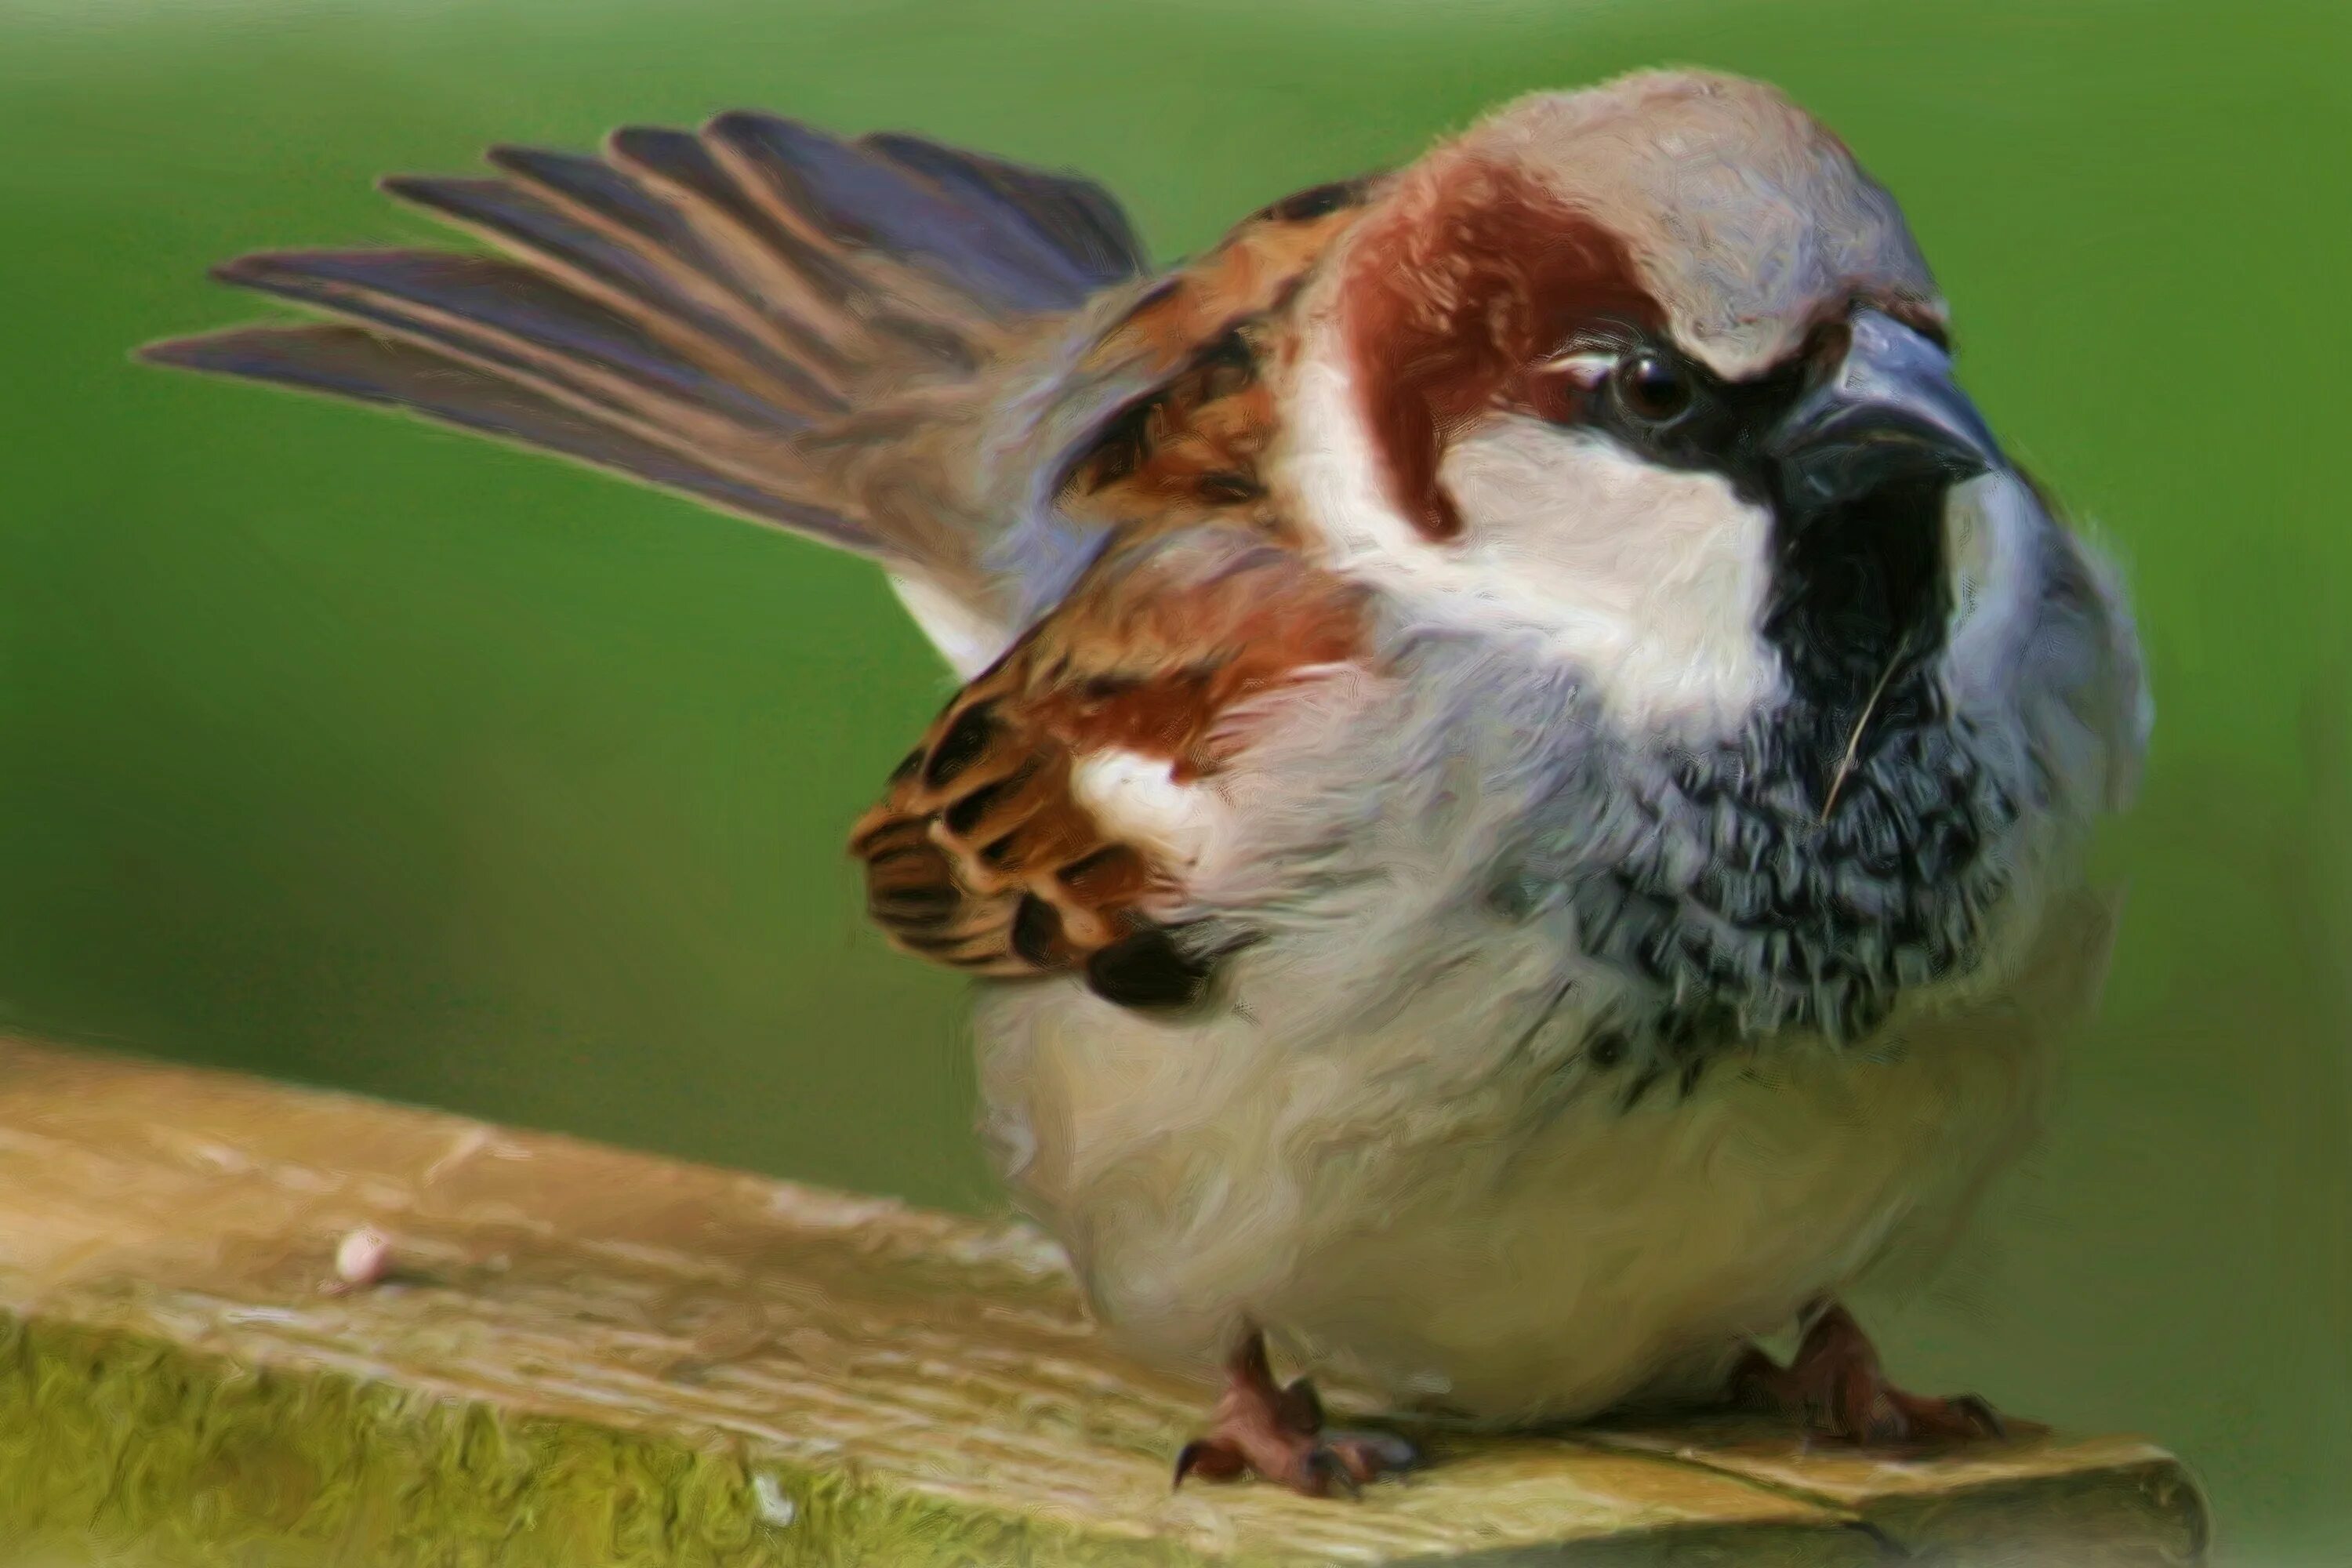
(1277, 1434)
(1836, 1387)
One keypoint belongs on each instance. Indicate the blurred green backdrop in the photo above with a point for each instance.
(344, 750)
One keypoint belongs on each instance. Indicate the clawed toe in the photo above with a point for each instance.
(1312, 1467)
(1835, 1386)
(1912, 1418)
(1276, 1435)
(1212, 1459)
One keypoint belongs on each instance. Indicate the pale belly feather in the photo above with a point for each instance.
(1404, 1215)
(1368, 1146)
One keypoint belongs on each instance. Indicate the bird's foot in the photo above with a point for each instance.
(1835, 1386)
(1277, 1434)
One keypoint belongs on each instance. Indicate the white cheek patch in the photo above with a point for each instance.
(1651, 581)
(1136, 799)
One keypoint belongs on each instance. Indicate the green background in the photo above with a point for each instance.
(361, 753)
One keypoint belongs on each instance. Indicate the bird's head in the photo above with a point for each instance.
(1655, 370)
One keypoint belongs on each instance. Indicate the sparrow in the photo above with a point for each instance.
(1518, 796)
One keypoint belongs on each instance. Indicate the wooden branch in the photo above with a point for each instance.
(587, 1357)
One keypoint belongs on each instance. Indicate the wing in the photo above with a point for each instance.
(904, 349)
(700, 311)
(998, 847)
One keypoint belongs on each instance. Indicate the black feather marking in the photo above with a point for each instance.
(1147, 969)
(1640, 1089)
(964, 814)
(1226, 488)
(1314, 202)
(1036, 931)
(966, 742)
(893, 832)
(921, 907)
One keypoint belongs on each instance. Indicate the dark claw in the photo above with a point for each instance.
(1208, 1459)
(1187, 1457)
(1324, 1466)
(1275, 1432)
(1834, 1387)
(1300, 1409)
(1980, 1410)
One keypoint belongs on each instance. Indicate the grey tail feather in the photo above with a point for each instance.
(687, 307)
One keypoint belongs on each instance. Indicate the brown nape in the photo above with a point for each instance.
(1459, 287)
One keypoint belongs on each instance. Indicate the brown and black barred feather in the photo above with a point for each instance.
(981, 854)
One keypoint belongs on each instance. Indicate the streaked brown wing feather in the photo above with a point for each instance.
(1206, 335)
(981, 855)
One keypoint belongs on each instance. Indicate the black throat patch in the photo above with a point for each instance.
(1859, 592)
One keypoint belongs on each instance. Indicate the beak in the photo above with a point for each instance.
(1889, 414)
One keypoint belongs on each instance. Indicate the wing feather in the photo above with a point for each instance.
(984, 854)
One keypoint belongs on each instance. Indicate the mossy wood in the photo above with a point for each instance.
(587, 1357)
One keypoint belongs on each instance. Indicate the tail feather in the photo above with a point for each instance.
(715, 313)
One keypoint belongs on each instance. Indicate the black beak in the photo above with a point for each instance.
(1890, 414)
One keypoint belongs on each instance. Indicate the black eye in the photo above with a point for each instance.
(1651, 388)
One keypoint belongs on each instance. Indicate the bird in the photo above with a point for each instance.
(1518, 796)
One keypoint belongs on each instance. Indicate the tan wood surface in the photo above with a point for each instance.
(589, 1357)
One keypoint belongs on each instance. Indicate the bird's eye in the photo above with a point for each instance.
(1651, 388)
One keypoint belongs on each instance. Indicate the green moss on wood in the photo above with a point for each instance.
(111, 1444)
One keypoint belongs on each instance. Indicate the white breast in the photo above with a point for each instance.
(1364, 1145)
(1446, 1243)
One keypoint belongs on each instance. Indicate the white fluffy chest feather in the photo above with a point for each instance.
(1517, 1248)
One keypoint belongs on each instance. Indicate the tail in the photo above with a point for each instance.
(705, 312)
